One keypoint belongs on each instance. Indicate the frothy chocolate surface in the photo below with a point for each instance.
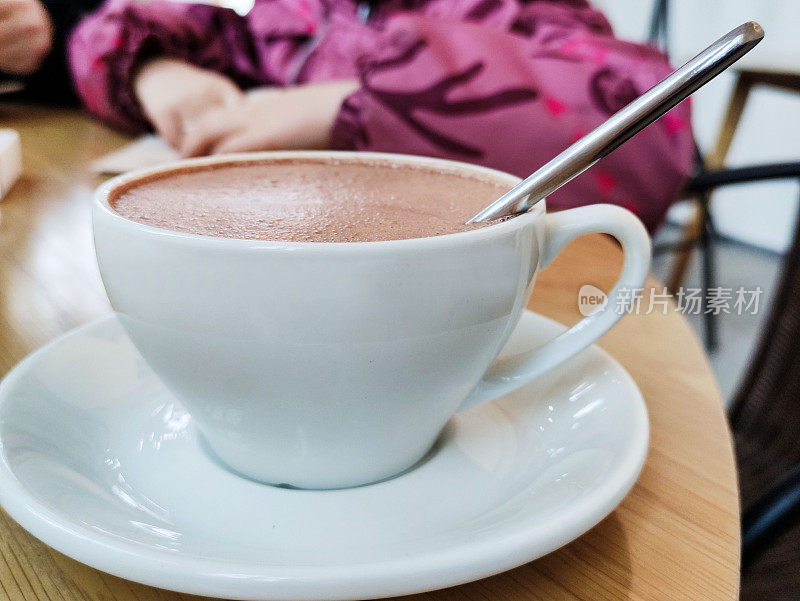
(308, 200)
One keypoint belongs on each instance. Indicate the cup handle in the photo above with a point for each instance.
(510, 373)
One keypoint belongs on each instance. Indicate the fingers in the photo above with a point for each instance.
(13, 52)
(262, 120)
(206, 102)
(21, 57)
(29, 42)
(203, 133)
(230, 95)
(168, 125)
(12, 7)
(12, 27)
(198, 143)
(20, 19)
(25, 35)
(189, 128)
(176, 98)
(246, 141)
(213, 117)
(194, 130)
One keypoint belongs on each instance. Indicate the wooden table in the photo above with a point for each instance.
(676, 536)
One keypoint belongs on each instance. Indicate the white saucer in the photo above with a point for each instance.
(99, 461)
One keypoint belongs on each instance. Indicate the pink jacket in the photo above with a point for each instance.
(503, 83)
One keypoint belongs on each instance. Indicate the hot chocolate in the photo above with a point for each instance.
(308, 200)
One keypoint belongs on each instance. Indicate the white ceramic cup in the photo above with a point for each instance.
(327, 365)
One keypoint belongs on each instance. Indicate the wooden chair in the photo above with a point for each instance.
(746, 81)
(699, 230)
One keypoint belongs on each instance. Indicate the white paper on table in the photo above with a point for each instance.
(10, 159)
(146, 151)
(9, 86)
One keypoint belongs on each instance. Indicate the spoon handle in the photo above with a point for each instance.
(626, 122)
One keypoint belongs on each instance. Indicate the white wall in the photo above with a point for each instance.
(630, 18)
(761, 214)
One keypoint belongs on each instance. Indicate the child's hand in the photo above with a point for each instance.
(26, 36)
(173, 93)
(269, 119)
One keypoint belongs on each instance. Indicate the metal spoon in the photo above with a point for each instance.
(625, 123)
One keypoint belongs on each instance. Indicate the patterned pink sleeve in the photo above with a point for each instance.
(108, 46)
(513, 98)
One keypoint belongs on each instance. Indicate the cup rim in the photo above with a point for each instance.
(103, 192)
